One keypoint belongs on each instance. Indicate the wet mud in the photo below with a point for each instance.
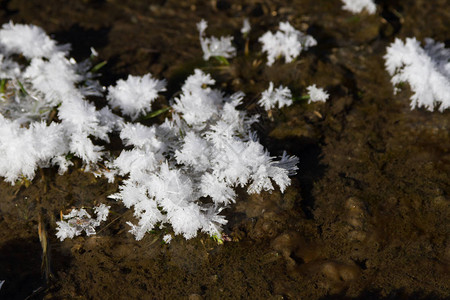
(366, 217)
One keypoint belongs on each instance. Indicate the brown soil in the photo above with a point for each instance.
(367, 215)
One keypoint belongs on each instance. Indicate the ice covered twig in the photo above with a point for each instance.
(79, 220)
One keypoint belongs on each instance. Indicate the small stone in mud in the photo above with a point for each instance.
(195, 297)
(356, 219)
(340, 274)
(295, 249)
(268, 226)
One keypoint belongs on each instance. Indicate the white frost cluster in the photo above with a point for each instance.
(184, 171)
(246, 27)
(213, 46)
(427, 70)
(357, 6)
(167, 238)
(316, 94)
(135, 95)
(48, 81)
(22, 150)
(77, 221)
(31, 41)
(287, 42)
(181, 173)
(280, 97)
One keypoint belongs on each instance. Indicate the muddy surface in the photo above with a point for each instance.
(366, 217)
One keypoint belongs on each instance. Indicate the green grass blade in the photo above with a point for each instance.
(98, 66)
(222, 60)
(156, 113)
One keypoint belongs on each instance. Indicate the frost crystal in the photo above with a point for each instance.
(48, 83)
(181, 173)
(316, 94)
(213, 46)
(22, 150)
(203, 152)
(357, 6)
(245, 30)
(198, 104)
(167, 238)
(135, 95)
(427, 70)
(77, 221)
(30, 40)
(280, 97)
(287, 42)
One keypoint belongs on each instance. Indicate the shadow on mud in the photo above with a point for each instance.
(20, 261)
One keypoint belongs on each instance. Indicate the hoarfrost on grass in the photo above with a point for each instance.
(24, 149)
(205, 151)
(135, 95)
(49, 81)
(213, 46)
(271, 97)
(181, 173)
(357, 6)
(316, 94)
(287, 42)
(427, 70)
(198, 102)
(30, 40)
